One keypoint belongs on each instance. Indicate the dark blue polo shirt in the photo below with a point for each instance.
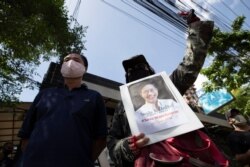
(61, 126)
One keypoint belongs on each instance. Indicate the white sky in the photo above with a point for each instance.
(113, 36)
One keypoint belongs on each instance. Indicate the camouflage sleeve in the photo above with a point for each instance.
(199, 36)
(117, 142)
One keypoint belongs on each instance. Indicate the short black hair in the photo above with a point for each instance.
(85, 61)
(146, 82)
(234, 111)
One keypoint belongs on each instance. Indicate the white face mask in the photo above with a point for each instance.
(72, 69)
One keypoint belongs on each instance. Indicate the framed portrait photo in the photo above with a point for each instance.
(156, 108)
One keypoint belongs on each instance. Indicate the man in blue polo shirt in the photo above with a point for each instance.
(65, 126)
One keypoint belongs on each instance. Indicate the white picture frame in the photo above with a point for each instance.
(169, 118)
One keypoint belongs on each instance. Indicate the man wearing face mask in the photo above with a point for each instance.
(65, 126)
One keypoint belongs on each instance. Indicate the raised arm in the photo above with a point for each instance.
(199, 36)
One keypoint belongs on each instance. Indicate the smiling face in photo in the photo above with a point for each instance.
(149, 93)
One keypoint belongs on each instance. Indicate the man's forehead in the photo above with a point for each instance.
(148, 86)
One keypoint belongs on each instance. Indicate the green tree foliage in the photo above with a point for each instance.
(31, 31)
(231, 58)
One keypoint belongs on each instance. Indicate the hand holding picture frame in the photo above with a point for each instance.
(156, 108)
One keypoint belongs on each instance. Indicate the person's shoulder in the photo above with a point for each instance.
(142, 109)
(239, 134)
(49, 90)
(92, 92)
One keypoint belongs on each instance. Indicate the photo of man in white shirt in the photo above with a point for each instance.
(156, 113)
